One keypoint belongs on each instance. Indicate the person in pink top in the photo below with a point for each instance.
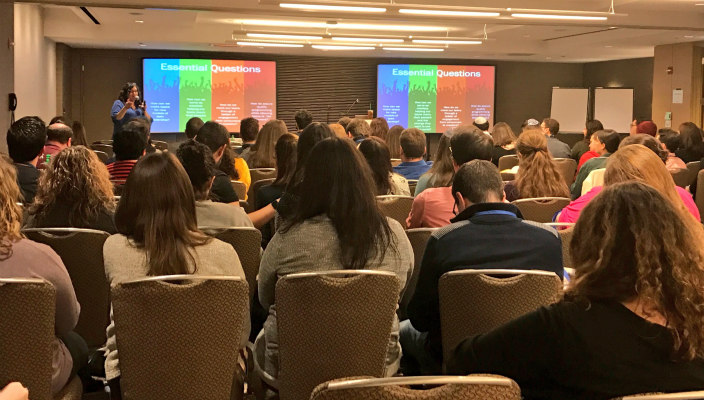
(635, 162)
(671, 142)
(434, 207)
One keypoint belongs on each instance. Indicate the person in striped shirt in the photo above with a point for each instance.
(129, 144)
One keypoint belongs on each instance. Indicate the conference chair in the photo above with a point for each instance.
(699, 196)
(508, 162)
(247, 243)
(255, 186)
(567, 168)
(665, 396)
(160, 145)
(694, 167)
(541, 209)
(419, 239)
(412, 183)
(682, 176)
(27, 332)
(178, 336)
(240, 188)
(565, 230)
(395, 207)
(81, 251)
(103, 156)
(507, 176)
(472, 387)
(477, 301)
(105, 148)
(331, 324)
(257, 175)
(395, 162)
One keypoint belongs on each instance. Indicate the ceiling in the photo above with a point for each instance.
(632, 31)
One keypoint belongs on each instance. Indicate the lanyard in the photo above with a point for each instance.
(495, 212)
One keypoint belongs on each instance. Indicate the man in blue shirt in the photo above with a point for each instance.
(412, 151)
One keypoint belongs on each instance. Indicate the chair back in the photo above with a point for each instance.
(81, 251)
(179, 341)
(694, 167)
(665, 396)
(565, 231)
(395, 207)
(240, 188)
(419, 239)
(105, 148)
(472, 387)
(683, 177)
(255, 186)
(160, 145)
(508, 176)
(541, 209)
(257, 175)
(508, 162)
(567, 168)
(412, 183)
(332, 324)
(27, 332)
(102, 156)
(247, 242)
(699, 196)
(477, 301)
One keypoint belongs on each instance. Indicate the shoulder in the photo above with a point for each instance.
(539, 228)
(448, 230)
(116, 243)
(118, 102)
(41, 253)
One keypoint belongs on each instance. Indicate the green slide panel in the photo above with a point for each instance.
(422, 95)
(195, 85)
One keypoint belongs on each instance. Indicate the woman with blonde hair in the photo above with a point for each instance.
(537, 175)
(23, 258)
(632, 320)
(74, 192)
(261, 153)
(442, 171)
(504, 142)
(636, 162)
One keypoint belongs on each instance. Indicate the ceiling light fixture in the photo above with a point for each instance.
(436, 41)
(322, 7)
(336, 25)
(268, 44)
(333, 47)
(411, 49)
(367, 39)
(282, 36)
(139, 21)
(449, 13)
(555, 16)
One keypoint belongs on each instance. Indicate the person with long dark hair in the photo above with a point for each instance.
(443, 169)
(158, 235)
(376, 152)
(128, 106)
(335, 225)
(582, 147)
(691, 143)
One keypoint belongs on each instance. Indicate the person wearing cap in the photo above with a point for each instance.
(648, 127)
(556, 147)
(483, 124)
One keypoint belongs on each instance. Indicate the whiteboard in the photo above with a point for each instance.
(569, 107)
(614, 108)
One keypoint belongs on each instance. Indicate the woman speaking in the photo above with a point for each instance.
(127, 107)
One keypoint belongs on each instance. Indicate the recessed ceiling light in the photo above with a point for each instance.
(556, 16)
(688, 36)
(608, 46)
(322, 7)
(139, 21)
(282, 36)
(340, 25)
(448, 13)
(435, 41)
(333, 47)
(367, 39)
(267, 44)
(411, 49)
(142, 45)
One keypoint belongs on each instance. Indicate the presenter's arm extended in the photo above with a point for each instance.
(121, 114)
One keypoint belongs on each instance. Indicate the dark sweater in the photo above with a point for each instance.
(479, 241)
(222, 191)
(27, 178)
(58, 217)
(571, 351)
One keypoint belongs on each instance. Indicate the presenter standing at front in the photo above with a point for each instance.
(127, 107)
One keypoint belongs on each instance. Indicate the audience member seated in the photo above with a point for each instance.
(249, 128)
(376, 152)
(25, 142)
(129, 144)
(582, 147)
(556, 147)
(393, 140)
(441, 172)
(635, 162)
(379, 128)
(538, 175)
(477, 239)
(158, 203)
(671, 142)
(58, 137)
(646, 127)
(335, 225)
(79, 134)
(412, 151)
(144, 127)
(529, 124)
(192, 127)
(197, 160)
(504, 142)
(344, 121)
(436, 206)
(482, 124)
(339, 130)
(23, 258)
(261, 153)
(632, 320)
(358, 130)
(604, 143)
(303, 119)
(692, 144)
(235, 167)
(75, 191)
(216, 137)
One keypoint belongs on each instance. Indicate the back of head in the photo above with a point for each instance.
(192, 127)
(610, 138)
(77, 180)
(670, 139)
(647, 141)
(58, 119)
(263, 148)
(393, 140)
(478, 181)
(26, 138)
(344, 121)
(442, 169)
(481, 123)
(10, 212)
(197, 159)
(502, 134)
(129, 143)
(303, 118)
(620, 255)
(339, 130)
(79, 134)
(358, 128)
(59, 133)
(157, 212)
(376, 152)
(469, 143)
(647, 127)
(213, 135)
(249, 127)
(310, 136)
(538, 175)
(285, 150)
(379, 127)
(337, 182)
(592, 126)
(413, 143)
(530, 123)
(690, 135)
(552, 125)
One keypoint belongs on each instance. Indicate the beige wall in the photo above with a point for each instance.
(686, 61)
(7, 66)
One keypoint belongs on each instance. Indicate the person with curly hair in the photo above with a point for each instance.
(632, 320)
(74, 192)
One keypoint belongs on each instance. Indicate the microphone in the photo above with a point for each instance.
(350, 107)
(137, 102)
